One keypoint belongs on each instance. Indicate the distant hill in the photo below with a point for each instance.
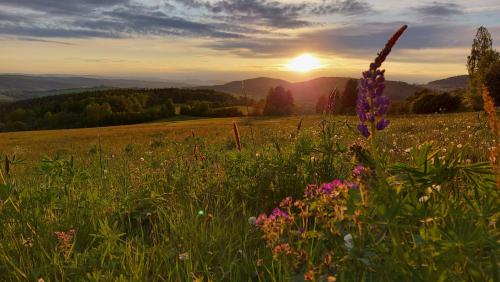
(19, 87)
(448, 84)
(307, 92)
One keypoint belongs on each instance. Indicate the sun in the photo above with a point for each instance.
(303, 63)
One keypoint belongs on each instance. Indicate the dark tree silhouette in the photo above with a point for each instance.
(492, 82)
(321, 104)
(279, 102)
(349, 96)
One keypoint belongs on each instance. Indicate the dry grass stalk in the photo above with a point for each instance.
(490, 109)
(236, 136)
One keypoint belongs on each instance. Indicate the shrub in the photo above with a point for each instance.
(428, 102)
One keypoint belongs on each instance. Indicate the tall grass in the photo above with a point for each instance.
(151, 210)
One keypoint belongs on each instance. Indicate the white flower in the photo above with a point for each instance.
(407, 150)
(184, 256)
(459, 146)
(423, 199)
(252, 220)
(142, 159)
(348, 243)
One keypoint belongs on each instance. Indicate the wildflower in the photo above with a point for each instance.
(309, 275)
(436, 187)
(348, 243)
(278, 213)
(371, 103)
(407, 150)
(252, 220)
(358, 170)
(261, 219)
(184, 256)
(286, 203)
(142, 159)
(64, 241)
(423, 199)
(201, 213)
(28, 243)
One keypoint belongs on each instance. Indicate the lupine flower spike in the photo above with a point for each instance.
(372, 105)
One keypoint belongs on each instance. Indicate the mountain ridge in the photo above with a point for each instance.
(15, 87)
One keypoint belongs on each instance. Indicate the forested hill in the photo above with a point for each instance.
(307, 92)
(114, 107)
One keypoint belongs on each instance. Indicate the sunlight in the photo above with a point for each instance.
(304, 63)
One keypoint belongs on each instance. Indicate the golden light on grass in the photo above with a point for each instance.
(304, 63)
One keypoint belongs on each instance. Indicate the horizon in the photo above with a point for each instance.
(180, 40)
(207, 81)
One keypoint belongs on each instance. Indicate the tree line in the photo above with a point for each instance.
(115, 107)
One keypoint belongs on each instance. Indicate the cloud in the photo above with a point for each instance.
(350, 41)
(45, 41)
(347, 7)
(276, 14)
(125, 20)
(440, 9)
(65, 7)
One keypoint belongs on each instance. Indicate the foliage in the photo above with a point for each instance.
(114, 107)
(279, 102)
(427, 102)
(133, 195)
(347, 101)
(492, 81)
(482, 57)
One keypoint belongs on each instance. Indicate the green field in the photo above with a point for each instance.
(172, 201)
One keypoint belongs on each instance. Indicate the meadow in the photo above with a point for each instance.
(178, 201)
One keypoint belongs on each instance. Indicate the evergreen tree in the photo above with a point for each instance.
(279, 102)
(349, 97)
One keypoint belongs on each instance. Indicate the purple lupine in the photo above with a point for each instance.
(371, 104)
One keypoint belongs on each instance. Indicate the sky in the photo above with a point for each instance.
(227, 40)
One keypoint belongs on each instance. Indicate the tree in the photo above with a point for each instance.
(279, 102)
(95, 114)
(427, 102)
(492, 81)
(167, 109)
(478, 63)
(321, 104)
(347, 103)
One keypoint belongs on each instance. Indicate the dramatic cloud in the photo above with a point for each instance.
(440, 9)
(352, 40)
(64, 7)
(278, 14)
(120, 21)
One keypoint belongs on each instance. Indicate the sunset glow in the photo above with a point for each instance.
(304, 63)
